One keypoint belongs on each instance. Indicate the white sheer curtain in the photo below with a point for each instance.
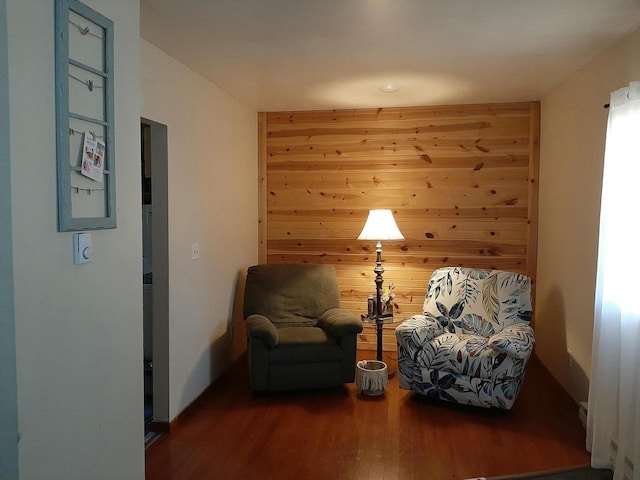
(613, 423)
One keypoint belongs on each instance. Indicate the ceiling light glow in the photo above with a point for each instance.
(389, 88)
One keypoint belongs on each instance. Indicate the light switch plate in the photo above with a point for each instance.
(195, 251)
(81, 248)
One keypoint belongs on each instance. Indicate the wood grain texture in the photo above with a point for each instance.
(339, 434)
(461, 181)
(262, 187)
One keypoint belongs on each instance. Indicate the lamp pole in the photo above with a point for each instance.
(378, 270)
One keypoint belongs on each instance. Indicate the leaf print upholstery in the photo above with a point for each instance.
(473, 340)
(473, 324)
(490, 300)
(516, 340)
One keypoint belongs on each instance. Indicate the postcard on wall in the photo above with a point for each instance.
(93, 152)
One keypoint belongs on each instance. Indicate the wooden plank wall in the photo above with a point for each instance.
(461, 181)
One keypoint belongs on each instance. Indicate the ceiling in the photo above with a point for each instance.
(279, 55)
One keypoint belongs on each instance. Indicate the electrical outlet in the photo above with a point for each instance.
(195, 251)
(583, 408)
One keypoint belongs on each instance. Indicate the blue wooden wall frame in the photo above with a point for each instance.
(66, 221)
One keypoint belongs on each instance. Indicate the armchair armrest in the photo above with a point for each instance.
(338, 322)
(516, 341)
(259, 326)
(416, 331)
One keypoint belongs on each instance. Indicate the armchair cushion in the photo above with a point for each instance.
(338, 322)
(291, 294)
(259, 326)
(414, 332)
(463, 354)
(305, 345)
(465, 300)
(516, 341)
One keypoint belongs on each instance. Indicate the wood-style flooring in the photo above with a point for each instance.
(230, 433)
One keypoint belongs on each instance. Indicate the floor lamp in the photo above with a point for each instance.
(380, 225)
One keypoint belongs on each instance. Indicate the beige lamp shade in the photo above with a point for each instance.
(380, 225)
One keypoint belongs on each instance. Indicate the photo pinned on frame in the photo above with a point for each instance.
(93, 152)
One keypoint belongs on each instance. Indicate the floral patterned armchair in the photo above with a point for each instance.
(472, 343)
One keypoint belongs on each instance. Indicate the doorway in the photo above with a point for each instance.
(155, 276)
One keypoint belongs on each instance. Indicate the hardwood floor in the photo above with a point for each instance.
(230, 433)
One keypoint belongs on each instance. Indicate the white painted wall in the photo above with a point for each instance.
(78, 328)
(571, 159)
(213, 198)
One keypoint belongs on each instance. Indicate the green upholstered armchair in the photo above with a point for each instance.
(298, 336)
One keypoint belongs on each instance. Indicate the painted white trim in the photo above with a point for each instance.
(8, 393)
